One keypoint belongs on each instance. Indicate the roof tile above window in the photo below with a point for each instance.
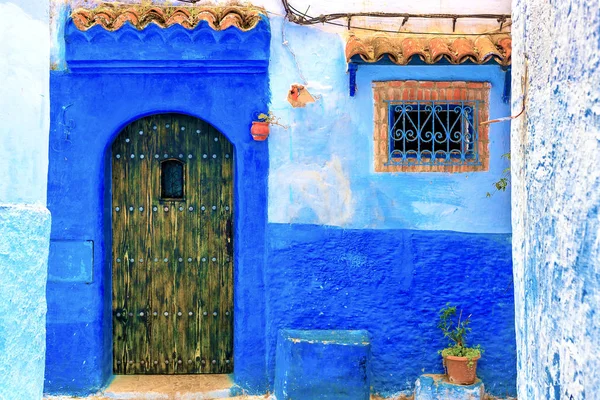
(431, 50)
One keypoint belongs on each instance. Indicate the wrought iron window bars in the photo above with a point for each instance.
(172, 180)
(438, 132)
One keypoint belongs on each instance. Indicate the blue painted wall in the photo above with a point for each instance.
(342, 248)
(88, 111)
(393, 283)
(349, 248)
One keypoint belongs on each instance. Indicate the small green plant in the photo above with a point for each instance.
(268, 117)
(271, 119)
(502, 184)
(455, 328)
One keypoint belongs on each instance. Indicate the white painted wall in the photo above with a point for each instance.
(24, 219)
(556, 198)
(24, 101)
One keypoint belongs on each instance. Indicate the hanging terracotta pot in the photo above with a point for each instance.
(260, 130)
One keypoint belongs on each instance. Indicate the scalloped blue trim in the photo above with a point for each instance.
(168, 50)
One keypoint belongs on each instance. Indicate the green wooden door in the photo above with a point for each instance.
(172, 247)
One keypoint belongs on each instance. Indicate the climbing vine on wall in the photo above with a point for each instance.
(502, 184)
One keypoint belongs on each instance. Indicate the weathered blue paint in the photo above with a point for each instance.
(73, 261)
(392, 283)
(88, 111)
(556, 198)
(322, 168)
(435, 387)
(24, 236)
(323, 364)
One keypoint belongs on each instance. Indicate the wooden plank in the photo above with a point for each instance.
(226, 265)
(206, 303)
(214, 240)
(119, 211)
(161, 226)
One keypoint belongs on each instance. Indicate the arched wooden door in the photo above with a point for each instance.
(172, 247)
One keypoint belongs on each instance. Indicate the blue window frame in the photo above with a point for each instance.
(433, 133)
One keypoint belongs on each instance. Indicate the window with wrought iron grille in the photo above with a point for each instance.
(430, 126)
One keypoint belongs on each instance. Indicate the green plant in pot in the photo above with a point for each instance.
(460, 361)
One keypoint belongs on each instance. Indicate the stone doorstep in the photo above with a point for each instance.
(155, 387)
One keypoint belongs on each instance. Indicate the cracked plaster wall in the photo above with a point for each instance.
(24, 219)
(556, 198)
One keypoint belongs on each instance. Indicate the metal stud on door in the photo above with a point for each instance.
(172, 269)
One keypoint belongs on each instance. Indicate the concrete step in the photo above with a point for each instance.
(318, 364)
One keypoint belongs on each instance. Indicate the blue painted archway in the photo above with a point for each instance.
(111, 84)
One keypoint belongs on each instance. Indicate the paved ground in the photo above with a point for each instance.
(136, 398)
(182, 387)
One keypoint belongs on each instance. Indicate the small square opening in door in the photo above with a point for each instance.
(172, 179)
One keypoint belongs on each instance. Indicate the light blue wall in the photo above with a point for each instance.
(24, 219)
(556, 198)
(322, 166)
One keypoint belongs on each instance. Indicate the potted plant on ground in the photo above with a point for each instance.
(460, 361)
(260, 128)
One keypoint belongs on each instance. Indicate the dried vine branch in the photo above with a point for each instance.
(301, 18)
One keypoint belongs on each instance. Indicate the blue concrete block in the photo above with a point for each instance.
(323, 364)
(436, 387)
(71, 261)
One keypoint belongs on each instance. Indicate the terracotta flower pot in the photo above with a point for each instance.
(461, 370)
(259, 130)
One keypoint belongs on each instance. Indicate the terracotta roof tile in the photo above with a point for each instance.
(113, 16)
(401, 50)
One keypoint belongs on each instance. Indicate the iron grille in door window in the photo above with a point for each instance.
(433, 132)
(427, 126)
(172, 175)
